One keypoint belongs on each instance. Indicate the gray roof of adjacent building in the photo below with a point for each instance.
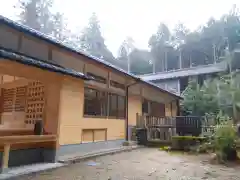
(41, 36)
(193, 71)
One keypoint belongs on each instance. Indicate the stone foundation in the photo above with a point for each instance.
(88, 147)
(29, 156)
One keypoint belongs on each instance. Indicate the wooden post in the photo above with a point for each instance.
(108, 98)
(5, 158)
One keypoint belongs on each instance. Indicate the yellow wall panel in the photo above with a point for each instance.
(87, 136)
(115, 127)
(70, 112)
(72, 120)
(100, 134)
(168, 109)
(134, 107)
(174, 108)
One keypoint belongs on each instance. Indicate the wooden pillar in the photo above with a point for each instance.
(5, 158)
(171, 108)
(142, 99)
(178, 107)
(108, 86)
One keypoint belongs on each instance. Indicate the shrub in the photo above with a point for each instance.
(165, 148)
(225, 138)
(185, 142)
(203, 148)
(125, 143)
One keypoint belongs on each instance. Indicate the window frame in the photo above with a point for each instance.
(97, 92)
(107, 105)
(117, 106)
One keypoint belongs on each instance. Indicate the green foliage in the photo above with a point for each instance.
(164, 46)
(225, 135)
(200, 100)
(165, 148)
(125, 143)
(186, 142)
(200, 47)
(37, 14)
(224, 140)
(93, 42)
(217, 95)
(140, 62)
(205, 147)
(195, 138)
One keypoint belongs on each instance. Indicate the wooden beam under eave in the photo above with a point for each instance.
(20, 39)
(29, 72)
(50, 54)
(84, 68)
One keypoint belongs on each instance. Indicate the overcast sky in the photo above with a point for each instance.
(135, 18)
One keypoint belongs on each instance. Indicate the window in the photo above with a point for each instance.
(113, 105)
(95, 102)
(20, 99)
(153, 108)
(157, 109)
(116, 106)
(14, 99)
(121, 107)
(103, 104)
(145, 106)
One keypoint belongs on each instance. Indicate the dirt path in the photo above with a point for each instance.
(141, 164)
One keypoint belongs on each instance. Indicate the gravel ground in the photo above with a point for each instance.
(141, 164)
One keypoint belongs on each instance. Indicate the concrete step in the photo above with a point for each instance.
(77, 157)
(28, 169)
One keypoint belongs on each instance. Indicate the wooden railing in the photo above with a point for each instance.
(8, 141)
(158, 128)
(163, 128)
(152, 121)
(144, 121)
(189, 125)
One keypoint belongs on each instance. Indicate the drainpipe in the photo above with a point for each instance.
(126, 101)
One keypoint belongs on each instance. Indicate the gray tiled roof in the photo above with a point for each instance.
(55, 42)
(9, 55)
(206, 69)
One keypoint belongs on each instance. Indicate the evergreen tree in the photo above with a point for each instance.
(37, 15)
(92, 40)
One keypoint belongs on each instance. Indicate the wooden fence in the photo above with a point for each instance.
(163, 128)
